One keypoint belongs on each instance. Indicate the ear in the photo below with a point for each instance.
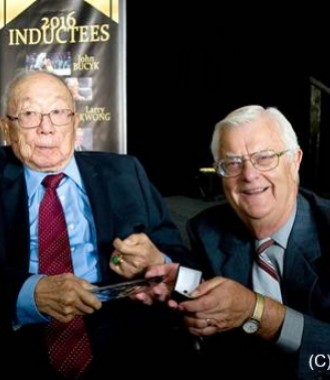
(4, 125)
(298, 158)
(296, 162)
(76, 120)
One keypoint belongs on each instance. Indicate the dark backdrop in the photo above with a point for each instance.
(188, 67)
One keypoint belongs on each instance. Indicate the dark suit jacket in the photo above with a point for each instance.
(224, 247)
(122, 199)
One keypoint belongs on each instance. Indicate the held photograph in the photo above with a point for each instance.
(125, 289)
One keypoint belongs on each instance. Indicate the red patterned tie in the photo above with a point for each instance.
(68, 345)
(266, 279)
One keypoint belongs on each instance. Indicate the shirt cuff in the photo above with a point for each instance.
(168, 260)
(26, 309)
(292, 331)
(187, 280)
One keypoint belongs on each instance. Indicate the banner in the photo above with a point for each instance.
(85, 43)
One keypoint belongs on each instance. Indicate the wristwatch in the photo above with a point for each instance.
(251, 325)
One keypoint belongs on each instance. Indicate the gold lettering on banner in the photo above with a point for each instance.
(95, 114)
(61, 30)
(85, 63)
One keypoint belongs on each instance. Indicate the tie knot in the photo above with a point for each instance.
(264, 245)
(52, 181)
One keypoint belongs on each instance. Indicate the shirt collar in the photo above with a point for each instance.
(281, 236)
(33, 178)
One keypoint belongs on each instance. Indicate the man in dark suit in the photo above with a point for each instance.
(117, 224)
(262, 315)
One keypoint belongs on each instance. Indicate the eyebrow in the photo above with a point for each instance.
(233, 155)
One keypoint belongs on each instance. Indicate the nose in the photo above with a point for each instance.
(46, 125)
(249, 172)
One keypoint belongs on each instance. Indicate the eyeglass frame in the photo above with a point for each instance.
(220, 171)
(41, 116)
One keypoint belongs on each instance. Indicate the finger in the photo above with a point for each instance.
(87, 301)
(155, 270)
(195, 305)
(196, 323)
(125, 270)
(166, 270)
(173, 304)
(207, 331)
(206, 286)
(161, 291)
(117, 259)
(125, 245)
(144, 298)
(201, 326)
(62, 318)
(116, 262)
(133, 239)
(117, 243)
(83, 308)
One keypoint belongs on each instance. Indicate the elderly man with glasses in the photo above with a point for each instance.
(70, 221)
(265, 311)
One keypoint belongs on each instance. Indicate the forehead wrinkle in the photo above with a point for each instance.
(21, 103)
(235, 155)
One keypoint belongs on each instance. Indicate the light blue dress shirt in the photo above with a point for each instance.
(81, 230)
(293, 324)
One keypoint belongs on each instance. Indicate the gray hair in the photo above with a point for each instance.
(249, 114)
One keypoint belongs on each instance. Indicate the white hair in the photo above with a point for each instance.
(249, 114)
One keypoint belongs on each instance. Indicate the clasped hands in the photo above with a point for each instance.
(216, 305)
(219, 304)
(133, 255)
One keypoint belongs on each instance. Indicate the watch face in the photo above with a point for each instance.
(251, 326)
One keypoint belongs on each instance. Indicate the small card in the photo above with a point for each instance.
(125, 289)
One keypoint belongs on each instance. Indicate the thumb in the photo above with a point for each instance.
(131, 239)
(206, 286)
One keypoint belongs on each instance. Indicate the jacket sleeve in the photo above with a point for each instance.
(315, 341)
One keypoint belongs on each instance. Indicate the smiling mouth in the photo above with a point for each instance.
(255, 191)
(45, 147)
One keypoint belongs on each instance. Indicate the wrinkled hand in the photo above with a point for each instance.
(164, 289)
(134, 255)
(64, 296)
(221, 304)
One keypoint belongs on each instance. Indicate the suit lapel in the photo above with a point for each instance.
(301, 257)
(113, 199)
(16, 215)
(95, 186)
(98, 194)
(302, 252)
(231, 252)
(238, 259)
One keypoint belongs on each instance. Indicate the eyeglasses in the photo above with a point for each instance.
(263, 161)
(32, 119)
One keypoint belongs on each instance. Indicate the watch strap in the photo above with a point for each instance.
(259, 307)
